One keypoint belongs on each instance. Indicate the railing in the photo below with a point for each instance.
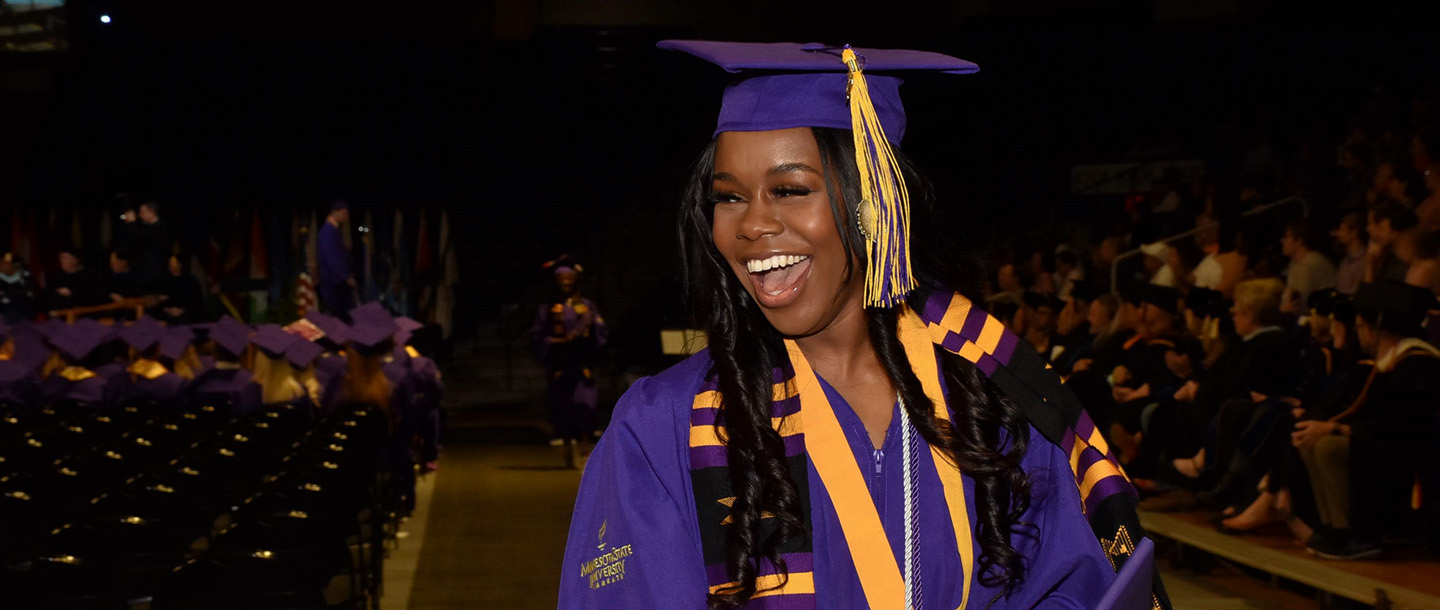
(1115, 265)
(137, 305)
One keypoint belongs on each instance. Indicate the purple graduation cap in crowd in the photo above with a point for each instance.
(76, 341)
(789, 85)
(230, 335)
(142, 334)
(336, 331)
(273, 340)
(372, 326)
(301, 353)
(176, 339)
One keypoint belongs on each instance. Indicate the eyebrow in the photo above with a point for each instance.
(783, 168)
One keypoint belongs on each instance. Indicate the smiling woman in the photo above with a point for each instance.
(858, 435)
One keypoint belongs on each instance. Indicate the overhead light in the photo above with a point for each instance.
(104, 19)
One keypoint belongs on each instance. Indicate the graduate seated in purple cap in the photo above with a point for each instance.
(227, 382)
(859, 433)
(272, 370)
(149, 382)
(330, 365)
(83, 368)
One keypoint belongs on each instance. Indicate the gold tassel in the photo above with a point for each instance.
(883, 212)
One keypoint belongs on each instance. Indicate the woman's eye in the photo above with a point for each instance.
(791, 191)
(724, 198)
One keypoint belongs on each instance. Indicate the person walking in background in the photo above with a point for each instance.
(568, 334)
(337, 275)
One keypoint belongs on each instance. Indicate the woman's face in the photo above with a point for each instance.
(1099, 316)
(773, 225)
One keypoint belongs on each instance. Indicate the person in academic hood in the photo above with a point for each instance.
(859, 434)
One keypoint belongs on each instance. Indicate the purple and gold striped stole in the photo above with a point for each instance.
(952, 323)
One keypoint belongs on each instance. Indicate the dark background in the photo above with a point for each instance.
(555, 126)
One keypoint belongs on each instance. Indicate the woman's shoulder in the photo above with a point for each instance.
(665, 396)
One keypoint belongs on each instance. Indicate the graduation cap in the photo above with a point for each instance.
(231, 335)
(336, 331)
(408, 326)
(372, 326)
(176, 339)
(143, 333)
(273, 340)
(1401, 308)
(76, 341)
(302, 353)
(786, 85)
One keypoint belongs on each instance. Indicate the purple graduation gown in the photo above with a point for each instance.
(636, 491)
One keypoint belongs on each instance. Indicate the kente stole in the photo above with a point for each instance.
(948, 321)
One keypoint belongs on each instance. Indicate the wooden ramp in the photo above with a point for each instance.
(1402, 582)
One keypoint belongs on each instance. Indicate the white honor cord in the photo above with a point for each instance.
(907, 437)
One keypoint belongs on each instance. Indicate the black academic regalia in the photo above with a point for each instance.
(1395, 438)
(182, 291)
(17, 299)
(87, 287)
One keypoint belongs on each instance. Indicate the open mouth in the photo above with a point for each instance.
(777, 278)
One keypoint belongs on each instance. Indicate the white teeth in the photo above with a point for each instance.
(774, 262)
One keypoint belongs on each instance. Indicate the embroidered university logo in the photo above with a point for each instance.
(608, 568)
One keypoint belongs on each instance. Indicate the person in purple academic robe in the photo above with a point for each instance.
(330, 366)
(568, 334)
(857, 434)
(337, 275)
(226, 383)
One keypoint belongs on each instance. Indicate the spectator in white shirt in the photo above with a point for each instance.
(1308, 271)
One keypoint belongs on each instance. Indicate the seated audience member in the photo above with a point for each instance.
(75, 285)
(1040, 313)
(1388, 220)
(17, 291)
(1072, 329)
(1068, 272)
(124, 282)
(1217, 409)
(1364, 462)
(181, 300)
(1308, 271)
(1205, 313)
(1351, 238)
(1108, 350)
(1420, 251)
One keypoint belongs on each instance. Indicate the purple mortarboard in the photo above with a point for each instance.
(302, 353)
(408, 326)
(273, 339)
(176, 339)
(231, 335)
(143, 333)
(77, 340)
(335, 330)
(788, 85)
(372, 325)
(785, 84)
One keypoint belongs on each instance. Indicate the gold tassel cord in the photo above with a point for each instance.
(884, 209)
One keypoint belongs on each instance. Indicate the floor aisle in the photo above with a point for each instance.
(497, 522)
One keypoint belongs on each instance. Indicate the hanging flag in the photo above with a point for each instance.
(305, 300)
(399, 289)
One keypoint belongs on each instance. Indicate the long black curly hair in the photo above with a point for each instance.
(986, 440)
